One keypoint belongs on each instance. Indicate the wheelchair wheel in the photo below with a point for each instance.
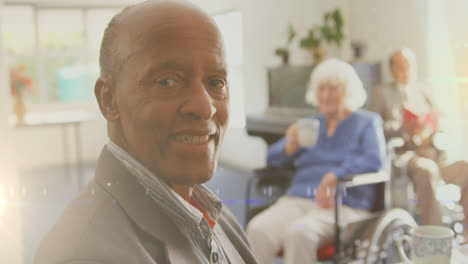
(390, 227)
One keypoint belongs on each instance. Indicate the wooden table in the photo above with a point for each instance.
(61, 119)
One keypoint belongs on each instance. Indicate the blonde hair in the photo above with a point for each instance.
(336, 70)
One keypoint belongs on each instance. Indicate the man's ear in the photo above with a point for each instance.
(106, 98)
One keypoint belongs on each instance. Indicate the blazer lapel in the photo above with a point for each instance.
(114, 177)
(230, 251)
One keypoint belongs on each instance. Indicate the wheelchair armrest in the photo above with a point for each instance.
(273, 176)
(364, 179)
(347, 182)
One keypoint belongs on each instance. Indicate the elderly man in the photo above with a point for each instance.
(164, 93)
(426, 169)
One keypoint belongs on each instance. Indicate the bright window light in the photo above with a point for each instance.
(230, 25)
(18, 30)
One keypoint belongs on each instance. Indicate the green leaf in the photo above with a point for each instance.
(291, 33)
(281, 51)
(330, 31)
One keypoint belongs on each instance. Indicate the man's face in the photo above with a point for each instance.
(172, 97)
(400, 68)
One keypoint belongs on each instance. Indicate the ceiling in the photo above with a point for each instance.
(69, 3)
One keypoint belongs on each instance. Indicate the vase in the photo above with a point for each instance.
(285, 58)
(318, 54)
(358, 52)
(19, 108)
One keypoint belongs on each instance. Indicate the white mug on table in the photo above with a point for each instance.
(429, 245)
(308, 131)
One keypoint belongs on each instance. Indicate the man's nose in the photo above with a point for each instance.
(199, 104)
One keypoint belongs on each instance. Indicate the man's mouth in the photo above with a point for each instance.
(193, 140)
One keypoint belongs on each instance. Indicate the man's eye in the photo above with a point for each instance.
(168, 82)
(218, 84)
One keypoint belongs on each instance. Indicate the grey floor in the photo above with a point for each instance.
(46, 192)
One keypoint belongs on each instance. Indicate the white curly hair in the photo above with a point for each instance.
(336, 70)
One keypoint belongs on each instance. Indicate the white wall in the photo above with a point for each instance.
(385, 26)
(10, 218)
(456, 15)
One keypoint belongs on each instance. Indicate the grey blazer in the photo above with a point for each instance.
(113, 221)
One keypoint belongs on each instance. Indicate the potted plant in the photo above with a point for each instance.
(312, 42)
(331, 32)
(283, 51)
(332, 29)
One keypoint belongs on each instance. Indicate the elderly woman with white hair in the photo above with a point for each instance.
(350, 141)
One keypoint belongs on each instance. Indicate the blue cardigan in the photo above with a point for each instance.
(357, 146)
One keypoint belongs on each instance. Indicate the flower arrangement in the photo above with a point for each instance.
(20, 82)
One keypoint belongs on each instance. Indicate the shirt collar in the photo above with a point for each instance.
(173, 202)
(403, 90)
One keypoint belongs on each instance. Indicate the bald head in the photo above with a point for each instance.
(403, 66)
(146, 21)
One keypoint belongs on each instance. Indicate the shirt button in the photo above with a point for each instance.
(204, 228)
(208, 242)
(215, 257)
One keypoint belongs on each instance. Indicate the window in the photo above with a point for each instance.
(60, 30)
(59, 48)
(230, 25)
(19, 32)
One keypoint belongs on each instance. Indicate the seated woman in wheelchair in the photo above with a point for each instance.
(350, 141)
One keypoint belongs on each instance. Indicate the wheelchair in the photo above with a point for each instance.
(370, 240)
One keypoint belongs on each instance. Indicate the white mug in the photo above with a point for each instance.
(308, 131)
(429, 245)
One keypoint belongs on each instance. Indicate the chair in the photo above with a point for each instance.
(369, 240)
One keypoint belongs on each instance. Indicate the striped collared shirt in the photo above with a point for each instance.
(187, 218)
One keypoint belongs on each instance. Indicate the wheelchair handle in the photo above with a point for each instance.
(395, 142)
(401, 251)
